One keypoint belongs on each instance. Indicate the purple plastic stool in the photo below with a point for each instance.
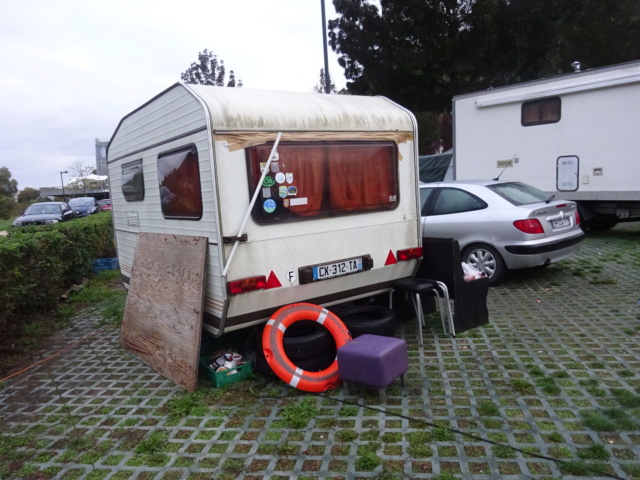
(373, 360)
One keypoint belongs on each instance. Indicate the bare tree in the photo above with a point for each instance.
(80, 172)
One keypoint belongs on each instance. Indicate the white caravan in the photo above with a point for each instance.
(576, 136)
(303, 196)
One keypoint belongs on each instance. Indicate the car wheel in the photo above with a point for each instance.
(486, 259)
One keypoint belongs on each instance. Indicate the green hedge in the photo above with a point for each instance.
(37, 264)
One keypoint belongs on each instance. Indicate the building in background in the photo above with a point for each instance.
(101, 157)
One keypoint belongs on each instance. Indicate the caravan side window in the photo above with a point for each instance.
(179, 180)
(540, 112)
(323, 179)
(132, 181)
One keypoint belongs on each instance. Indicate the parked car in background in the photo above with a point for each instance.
(44, 214)
(84, 206)
(501, 226)
(105, 205)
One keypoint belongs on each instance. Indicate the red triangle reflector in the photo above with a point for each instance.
(391, 259)
(272, 281)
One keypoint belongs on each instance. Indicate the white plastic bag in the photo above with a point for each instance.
(471, 272)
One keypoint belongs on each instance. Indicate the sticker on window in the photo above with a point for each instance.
(269, 205)
(268, 181)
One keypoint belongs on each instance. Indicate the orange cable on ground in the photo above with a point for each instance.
(54, 355)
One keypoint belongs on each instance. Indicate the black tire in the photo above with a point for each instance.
(316, 364)
(306, 343)
(600, 223)
(372, 319)
(306, 339)
(487, 259)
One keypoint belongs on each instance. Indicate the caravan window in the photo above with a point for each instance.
(179, 180)
(322, 179)
(132, 181)
(540, 112)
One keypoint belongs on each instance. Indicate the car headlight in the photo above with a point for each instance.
(17, 224)
(49, 222)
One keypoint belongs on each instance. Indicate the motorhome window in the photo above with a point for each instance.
(541, 112)
(132, 181)
(323, 179)
(179, 180)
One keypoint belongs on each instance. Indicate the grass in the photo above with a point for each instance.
(548, 385)
(583, 468)
(298, 416)
(104, 293)
(609, 420)
(185, 404)
(101, 294)
(626, 398)
(594, 452)
(488, 409)
(368, 459)
(523, 387)
(5, 225)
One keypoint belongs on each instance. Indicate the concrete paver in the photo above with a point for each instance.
(549, 389)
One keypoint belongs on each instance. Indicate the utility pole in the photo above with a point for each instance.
(327, 78)
(64, 197)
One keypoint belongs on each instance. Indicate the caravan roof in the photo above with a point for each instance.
(244, 109)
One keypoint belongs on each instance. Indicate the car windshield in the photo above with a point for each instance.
(43, 209)
(81, 202)
(519, 193)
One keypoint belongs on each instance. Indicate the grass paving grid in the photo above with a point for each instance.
(555, 373)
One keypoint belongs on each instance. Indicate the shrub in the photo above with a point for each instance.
(39, 263)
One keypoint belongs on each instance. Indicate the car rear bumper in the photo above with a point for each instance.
(544, 248)
(534, 254)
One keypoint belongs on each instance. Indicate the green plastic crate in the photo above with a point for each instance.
(220, 379)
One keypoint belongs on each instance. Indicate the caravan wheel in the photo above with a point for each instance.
(372, 319)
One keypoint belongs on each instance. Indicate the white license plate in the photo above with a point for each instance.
(337, 269)
(562, 222)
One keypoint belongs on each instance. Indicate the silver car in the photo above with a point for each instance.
(501, 226)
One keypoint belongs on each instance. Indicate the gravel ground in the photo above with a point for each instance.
(549, 389)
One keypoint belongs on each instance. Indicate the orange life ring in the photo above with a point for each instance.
(272, 344)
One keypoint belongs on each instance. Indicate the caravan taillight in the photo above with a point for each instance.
(409, 254)
(248, 284)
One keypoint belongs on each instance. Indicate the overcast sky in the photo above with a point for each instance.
(71, 69)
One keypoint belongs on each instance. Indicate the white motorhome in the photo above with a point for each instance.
(576, 136)
(303, 196)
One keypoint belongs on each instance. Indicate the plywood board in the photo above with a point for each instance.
(162, 322)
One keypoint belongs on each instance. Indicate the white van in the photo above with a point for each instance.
(335, 217)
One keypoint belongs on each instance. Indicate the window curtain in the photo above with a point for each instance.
(354, 183)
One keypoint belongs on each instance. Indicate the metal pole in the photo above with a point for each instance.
(64, 197)
(327, 78)
(252, 203)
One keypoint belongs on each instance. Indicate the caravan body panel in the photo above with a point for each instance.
(221, 126)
